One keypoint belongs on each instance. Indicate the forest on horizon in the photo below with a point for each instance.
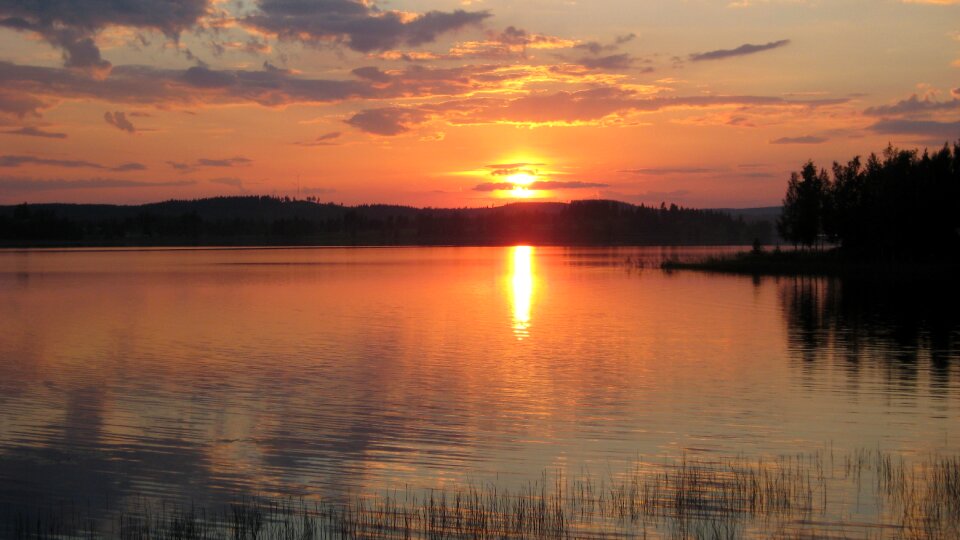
(263, 220)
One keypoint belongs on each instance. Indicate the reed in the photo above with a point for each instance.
(860, 494)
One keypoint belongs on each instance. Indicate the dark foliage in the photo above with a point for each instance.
(902, 205)
(271, 220)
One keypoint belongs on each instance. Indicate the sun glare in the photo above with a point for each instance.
(521, 178)
(521, 192)
(521, 181)
(521, 281)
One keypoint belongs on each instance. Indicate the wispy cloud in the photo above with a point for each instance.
(327, 139)
(745, 49)
(506, 169)
(184, 167)
(357, 24)
(804, 139)
(30, 131)
(539, 185)
(914, 105)
(119, 120)
(666, 171)
(596, 48)
(387, 121)
(13, 161)
(584, 107)
(73, 26)
(612, 62)
(129, 167)
(28, 185)
(225, 162)
(930, 129)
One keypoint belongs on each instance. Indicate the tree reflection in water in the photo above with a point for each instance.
(904, 327)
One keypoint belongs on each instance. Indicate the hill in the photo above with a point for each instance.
(277, 221)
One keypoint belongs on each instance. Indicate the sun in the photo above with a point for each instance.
(521, 182)
(521, 178)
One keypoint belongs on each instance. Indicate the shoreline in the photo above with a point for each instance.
(68, 246)
(828, 263)
(784, 496)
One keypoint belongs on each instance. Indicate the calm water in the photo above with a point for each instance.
(208, 374)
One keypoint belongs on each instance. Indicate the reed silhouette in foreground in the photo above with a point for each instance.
(864, 493)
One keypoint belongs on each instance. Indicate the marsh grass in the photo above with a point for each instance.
(861, 494)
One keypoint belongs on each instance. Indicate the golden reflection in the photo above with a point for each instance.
(521, 279)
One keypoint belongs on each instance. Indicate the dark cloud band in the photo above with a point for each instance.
(745, 49)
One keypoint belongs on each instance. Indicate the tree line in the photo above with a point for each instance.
(272, 220)
(900, 205)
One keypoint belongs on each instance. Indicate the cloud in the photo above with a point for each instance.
(666, 171)
(945, 131)
(914, 105)
(226, 162)
(29, 89)
(513, 165)
(273, 87)
(563, 108)
(119, 121)
(184, 167)
(357, 24)
(387, 121)
(611, 62)
(512, 171)
(514, 37)
(742, 50)
(19, 104)
(29, 185)
(554, 184)
(30, 131)
(16, 161)
(595, 104)
(195, 86)
(372, 74)
(511, 42)
(595, 47)
(805, 139)
(507, 169)
(125, 167)
(537, 186)
(327, 139)
(72, 25)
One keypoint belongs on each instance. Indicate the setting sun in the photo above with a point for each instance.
(522, 178)
(449, 268)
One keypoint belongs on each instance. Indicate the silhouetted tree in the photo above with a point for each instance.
(801, 219)
(902, 205)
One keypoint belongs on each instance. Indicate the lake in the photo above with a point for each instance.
(206, 375)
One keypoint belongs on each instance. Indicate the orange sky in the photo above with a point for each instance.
(457, 103)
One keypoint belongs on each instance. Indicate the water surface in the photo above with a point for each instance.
(205, 375)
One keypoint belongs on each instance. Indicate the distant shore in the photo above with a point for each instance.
(828, 262)
(271, 221)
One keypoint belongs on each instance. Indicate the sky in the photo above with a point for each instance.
(463, 103)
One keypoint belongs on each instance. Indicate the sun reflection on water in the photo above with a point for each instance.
(521, 278)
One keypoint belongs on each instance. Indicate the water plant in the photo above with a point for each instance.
(859, 494)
